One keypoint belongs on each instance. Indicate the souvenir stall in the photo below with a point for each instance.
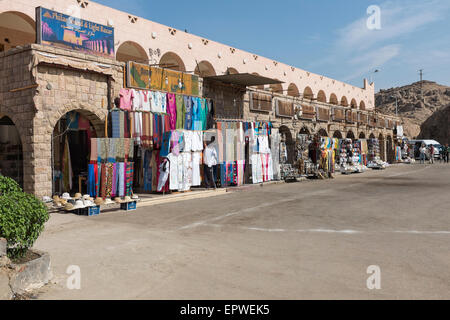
(168, 132)
(306, 167)
(364, 151)
(71, 145)
(328, 147)
(244, 151)
(111, 168)
(373, 157)
(288, 171)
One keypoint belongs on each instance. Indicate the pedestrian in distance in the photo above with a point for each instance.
(422, 151)
(210, 161)
(447, 153)
(431, 151)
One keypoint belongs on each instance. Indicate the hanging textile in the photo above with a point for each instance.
(67, 167)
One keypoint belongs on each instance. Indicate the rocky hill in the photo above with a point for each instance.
(437, 126)
(417, 102)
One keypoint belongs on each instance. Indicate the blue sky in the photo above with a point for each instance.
(328, 37)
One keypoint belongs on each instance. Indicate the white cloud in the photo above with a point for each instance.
(371, 60)
(397, 19)
(359, 51)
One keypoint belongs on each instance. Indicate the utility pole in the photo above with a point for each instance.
(421, 84)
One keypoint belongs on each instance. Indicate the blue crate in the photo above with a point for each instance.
(129, 206)
(94, 211)
(90, 211)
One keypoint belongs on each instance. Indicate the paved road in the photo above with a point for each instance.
(309, 240)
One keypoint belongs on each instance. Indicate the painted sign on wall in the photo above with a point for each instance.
(60, 30)
(142, 76)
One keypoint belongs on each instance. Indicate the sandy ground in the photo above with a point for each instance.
(308, 240)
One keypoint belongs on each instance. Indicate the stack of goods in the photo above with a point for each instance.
(305, 164)
(346, 156)
(176, 164)
(358, 165)
(374, 160)
(373, 149)
(111, 167)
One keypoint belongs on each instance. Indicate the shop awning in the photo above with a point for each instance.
(244, 79)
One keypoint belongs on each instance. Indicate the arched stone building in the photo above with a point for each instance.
(41, 84)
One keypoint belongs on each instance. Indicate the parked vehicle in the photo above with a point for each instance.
(418, 143)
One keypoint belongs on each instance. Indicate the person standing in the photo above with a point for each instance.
(422, 151)
(210, 161)
(431, 150)
(447, 153)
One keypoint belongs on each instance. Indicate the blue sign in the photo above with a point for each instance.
(68, 32)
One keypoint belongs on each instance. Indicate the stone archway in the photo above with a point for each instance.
(11, 151)
(304, 130)
(389, 149)
(382, 145)
(362, 135)
(350, 135)
(323, 133)
(372, 136)
(286, 138)
(337, 134)
(70, 148)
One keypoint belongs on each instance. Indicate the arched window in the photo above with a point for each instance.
(293, 90)
(276, 88)
(232, 71)
(353, 104)
(362, 105)
(171, 60)
(321, 96)
(333, 99)
(308, 93)
(344, 101)
(131, 51)
(205, 69)
(16, 29)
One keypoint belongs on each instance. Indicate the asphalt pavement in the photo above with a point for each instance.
(308, 240)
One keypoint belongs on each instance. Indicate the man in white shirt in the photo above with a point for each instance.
(210, 161)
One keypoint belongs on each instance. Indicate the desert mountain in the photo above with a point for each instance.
(417, 102)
